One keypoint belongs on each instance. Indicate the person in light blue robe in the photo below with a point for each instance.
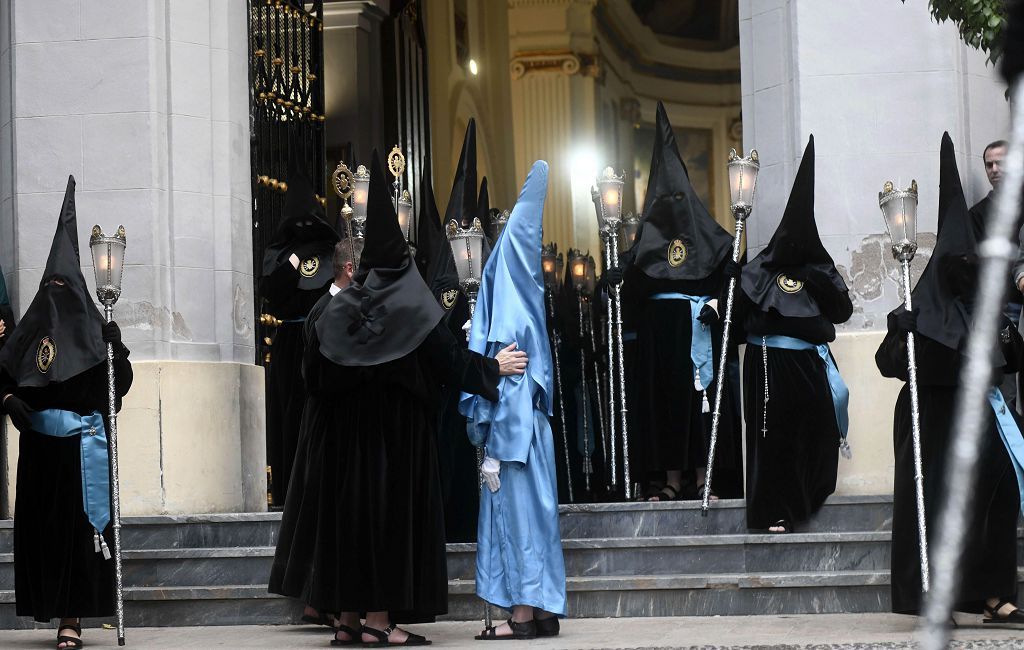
(519, 563)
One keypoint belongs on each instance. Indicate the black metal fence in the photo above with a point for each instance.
(286, 112)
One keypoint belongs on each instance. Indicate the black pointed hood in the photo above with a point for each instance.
(795, 245)
(680, 239)
(943, 314)
(387, 311)
(385, 246)
(483, 212)
(304, 231)
(462, 203)
(434, 251)
(60, 335)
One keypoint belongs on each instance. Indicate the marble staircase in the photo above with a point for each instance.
(633, 559)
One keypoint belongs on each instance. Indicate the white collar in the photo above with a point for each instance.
(335, 289)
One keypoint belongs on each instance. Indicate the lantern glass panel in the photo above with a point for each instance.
(900, 213)
(108, 262)
(360, 193)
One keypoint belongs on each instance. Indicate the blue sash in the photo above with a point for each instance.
(95, 473)
(840, 393)
(701, 352)
(1010, 433)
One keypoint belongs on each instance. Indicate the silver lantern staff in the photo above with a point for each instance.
(742, 179)
(500, 221)
(609, 214)
(108, 263)
(468, 248)
(588, 322)
(360, 194)
(396, 165)
(578, 269)
(995, 251)
(550, 264)
(343, 183)
(899, 209)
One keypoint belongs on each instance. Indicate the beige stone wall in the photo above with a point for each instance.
(190, 440)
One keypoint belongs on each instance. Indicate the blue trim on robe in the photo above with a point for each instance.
(701, 352)
(95, 468)
(1009, 431)
(840, 392)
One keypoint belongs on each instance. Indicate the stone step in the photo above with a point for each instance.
(725, 517)
(578, 521)
(616, 557)
(588, 597)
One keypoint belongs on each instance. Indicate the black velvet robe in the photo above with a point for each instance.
(57, 573)
(285, 392)
(460, 482)
(671, 430)
(363, 526)
(792, 468)
(990, 551)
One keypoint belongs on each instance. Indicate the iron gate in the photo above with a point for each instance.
(286, 114)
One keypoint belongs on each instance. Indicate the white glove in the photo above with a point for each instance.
(489, 470)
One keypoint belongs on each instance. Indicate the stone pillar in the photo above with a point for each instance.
(353, 98)
(554, 109)
(146, 103)
(876, 82)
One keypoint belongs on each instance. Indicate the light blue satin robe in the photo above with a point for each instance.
(519, 557)
(519, 547)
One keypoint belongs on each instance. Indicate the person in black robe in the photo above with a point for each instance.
(790, 300)
(297, 271)
(682, 261)
(940, 321)
(457, 458)
(363, 532)
(56, 360)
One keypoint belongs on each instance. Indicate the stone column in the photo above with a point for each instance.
(554, 109)
(876, 82)
(146, 103)
(352, 55)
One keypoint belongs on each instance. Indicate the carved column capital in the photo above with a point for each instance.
(563, 61)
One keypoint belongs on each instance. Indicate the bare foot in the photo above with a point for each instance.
(65, 629)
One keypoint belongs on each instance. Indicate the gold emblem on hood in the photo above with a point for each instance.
(676, 253)
(309, 267)
(788, 284)
(449, 297)
(45, 354)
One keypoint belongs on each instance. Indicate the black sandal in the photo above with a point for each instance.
(785, 525)
(993, 617)
(520, 631)
(72, 641)
(671, 495)
(383, 637)
(547, 626)
(353, 636)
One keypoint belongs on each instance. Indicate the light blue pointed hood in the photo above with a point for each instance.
(510, 306)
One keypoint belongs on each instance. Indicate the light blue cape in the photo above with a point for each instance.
(510, 308)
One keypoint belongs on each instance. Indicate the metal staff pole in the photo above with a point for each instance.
(608, 200)
(742, 178)
(556, 342)
(590, 286)
(620, 369)
(108, 263)
(995, 253)
(899, 209)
